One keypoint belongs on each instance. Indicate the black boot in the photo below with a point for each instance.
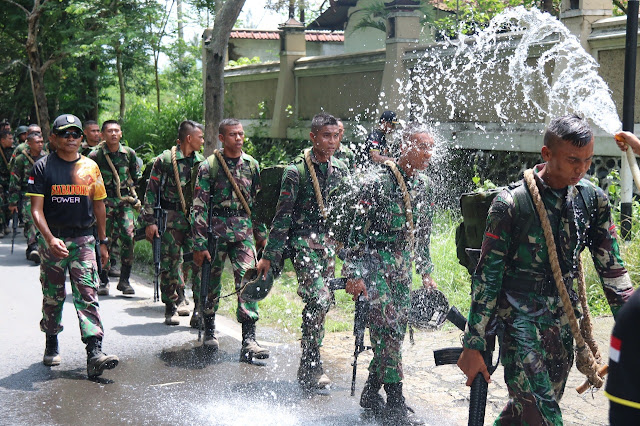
(182, 303)
(32, 253)
(97, 361)
(370, 398)
(210, 340)
(396, 412)
(114, 270)
(51, 354)
(170, 314)
(123, 282)
(310, 372)
(195, 316)
(250, 348)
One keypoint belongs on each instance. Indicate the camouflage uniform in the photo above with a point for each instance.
(538, 345)
(298, 224)
(20, 173)
(231, 224)
(5, 176)
(346, 155)
(381, 213)
(120, 217)
(178, 226)
(85, 149)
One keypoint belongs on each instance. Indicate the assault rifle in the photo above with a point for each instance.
(212, 248)
(102, 274)
(160, 216)
(14, 223)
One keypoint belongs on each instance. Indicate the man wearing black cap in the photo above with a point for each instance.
(66, 191)
(375, 148)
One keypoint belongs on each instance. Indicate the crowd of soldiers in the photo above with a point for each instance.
(389, 234)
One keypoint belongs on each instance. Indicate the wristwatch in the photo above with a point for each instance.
(105, 241)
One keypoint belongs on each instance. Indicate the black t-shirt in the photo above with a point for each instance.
(623, 384)
(69, 189)
(376, 141)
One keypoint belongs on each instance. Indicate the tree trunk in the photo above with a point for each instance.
(31, 45)
(216, 50)
(120, 80)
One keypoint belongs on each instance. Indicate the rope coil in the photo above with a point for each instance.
(176, 176)
(406, 198)
(234, 185)
(314, 181)
(135, 202)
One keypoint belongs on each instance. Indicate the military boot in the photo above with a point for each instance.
(170, 314)
(370, 398)
(114, 269)
(396, 412)
(123, 282)
(250, 348)
(195, 316)
(97, 361)
(310, 372)
(32, 254)
(210, 340)
(51, 354)
(182, 303)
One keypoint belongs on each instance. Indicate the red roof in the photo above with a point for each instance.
(320, 36)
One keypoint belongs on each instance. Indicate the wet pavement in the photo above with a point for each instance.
(164, 376)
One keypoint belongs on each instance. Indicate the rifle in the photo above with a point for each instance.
(14, 223)
(160, 216)
(212, 248)
(104, 278)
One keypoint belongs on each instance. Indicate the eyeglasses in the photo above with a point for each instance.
(66, 134)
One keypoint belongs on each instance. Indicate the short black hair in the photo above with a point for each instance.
(89, 123)
(33, 135)
(106, 123)
(4, 133)
(322, 119)
(571, 128)
(186, 127)
(227, 122)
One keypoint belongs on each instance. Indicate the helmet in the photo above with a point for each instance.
(429, 308)
(254, 287)
(21, 129)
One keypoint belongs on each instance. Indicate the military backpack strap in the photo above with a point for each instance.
(6, 163)
(24, 151)
(232, 181)
(176, 177)
(406, 197)
(133, 200)
(314, 182)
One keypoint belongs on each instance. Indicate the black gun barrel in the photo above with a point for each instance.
(156, 246)
(14, 224)
(456, 318)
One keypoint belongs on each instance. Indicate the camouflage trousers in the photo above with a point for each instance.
(389, 303)
(536, 359)
(83, 274)
(314, 268)
(242, 255)
(120, 227)
(175, 240)
(30, 231)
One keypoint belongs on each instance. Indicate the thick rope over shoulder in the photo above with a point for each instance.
(133, 200)
(585, 360)
(6, 163)
(406, 198)
(26, 154)
(314, 181)
(176, 177)
(234, 185)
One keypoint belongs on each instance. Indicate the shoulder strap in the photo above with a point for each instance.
(314, 182)
(232, 181)
(406, 197)
(24, 151)
(176, 177)
(6, 163)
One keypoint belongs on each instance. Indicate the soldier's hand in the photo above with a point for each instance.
(263, 268)
(260, 244)
(200, 256)
(471, 363)
(428, 282)
(627, 138)
(58, 248)
(356, 287)
(13, 209)
(151, 231)
(104, 255)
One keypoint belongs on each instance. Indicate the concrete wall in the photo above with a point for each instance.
(247, 86)
(269, 50)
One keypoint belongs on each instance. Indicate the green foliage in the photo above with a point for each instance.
(245, 61)
(271, 152)
(375, 15)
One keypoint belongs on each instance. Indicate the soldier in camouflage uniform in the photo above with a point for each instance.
(390, 243)
(299, 224)
(121, 201)
(33, 128)
(91, 137)
(344, 153)
(6, 141)
(20, 174)
(66, 192)
(513, 279)
(234, 228)
(178, 226)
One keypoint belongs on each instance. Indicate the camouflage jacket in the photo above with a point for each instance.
(346, 155)
(380, 220)
(20, 174)
(85, 149)
(228, 218)
(162, 174)
(16, 151)
(124, 161)
(508, 258)
(298, 220)
(5, 171)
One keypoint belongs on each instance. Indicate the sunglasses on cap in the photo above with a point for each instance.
(66, 134)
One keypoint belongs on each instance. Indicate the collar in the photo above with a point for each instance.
(105, 148)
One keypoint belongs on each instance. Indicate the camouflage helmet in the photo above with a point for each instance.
(21, 129)
(254, 287)
(429, 308)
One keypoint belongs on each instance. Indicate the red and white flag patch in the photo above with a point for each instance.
(31, 180)
(614, 349)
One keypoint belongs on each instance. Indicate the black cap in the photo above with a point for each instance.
(389, 117)
(66, 121)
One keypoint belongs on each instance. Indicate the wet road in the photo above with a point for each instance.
(164, 376)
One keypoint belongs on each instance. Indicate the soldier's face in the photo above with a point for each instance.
(22, 137)
(340, 131)
(326, 140)
(68, 141)
(92, 134)
(419, 150)
(112, 134)
(195, 139)
(6, 142)
(232, 139)
(566, 163)
(36, 144)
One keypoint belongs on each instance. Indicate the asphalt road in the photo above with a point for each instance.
(164, 376)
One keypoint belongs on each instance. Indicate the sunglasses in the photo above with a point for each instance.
(66, 134)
